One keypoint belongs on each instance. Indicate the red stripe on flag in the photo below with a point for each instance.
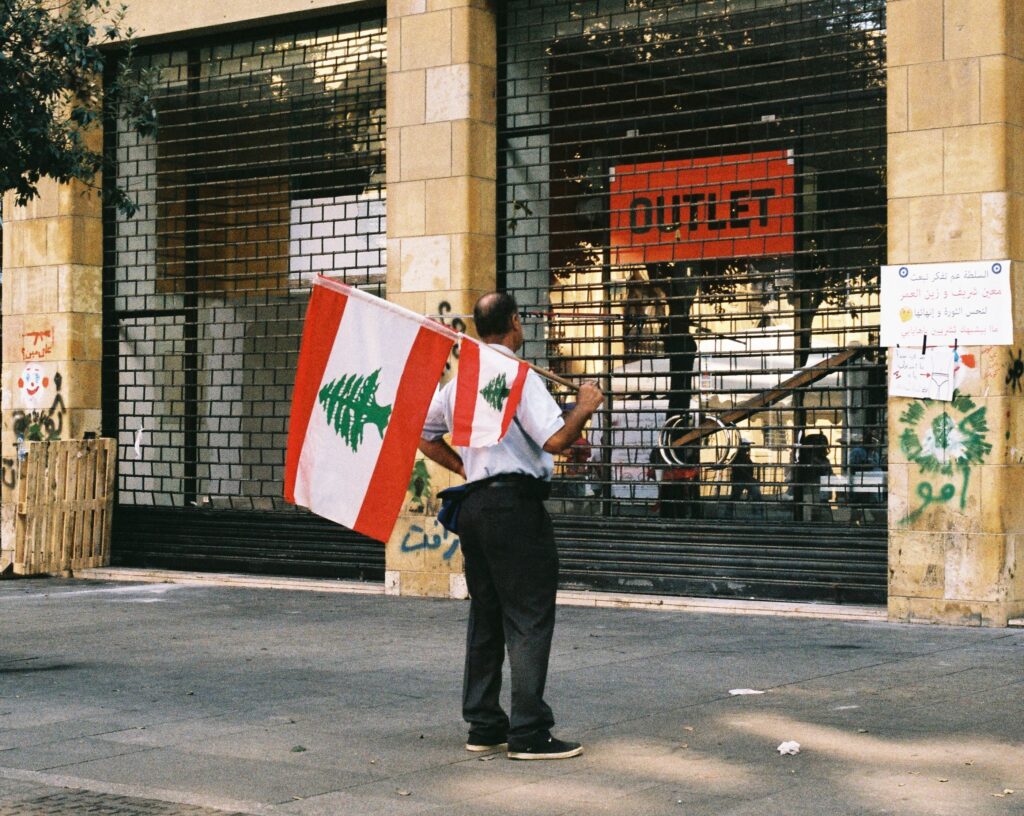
(390, 480)
(467, 383)
(321, 327)
(513, 398)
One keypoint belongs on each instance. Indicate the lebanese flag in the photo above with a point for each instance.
(367, 371)
(488, 386)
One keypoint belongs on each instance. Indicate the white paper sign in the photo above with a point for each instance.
(924, 376)
(965, 303)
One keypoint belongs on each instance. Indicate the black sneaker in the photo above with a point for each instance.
(480, 742)
(543, 746)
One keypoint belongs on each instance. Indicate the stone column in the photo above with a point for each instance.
(52, 327)
(441, 172)
(956, 175)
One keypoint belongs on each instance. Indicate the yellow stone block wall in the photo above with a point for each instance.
(441, 178)
(956, 176)
(52, 328)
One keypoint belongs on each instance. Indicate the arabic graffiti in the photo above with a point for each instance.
(444, 308)
(948, 443)
(419, 539)
(10, 473)
(1014, 371)
(36, 345)
(926, 492)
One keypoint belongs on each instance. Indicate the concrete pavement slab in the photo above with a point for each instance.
(198, 696)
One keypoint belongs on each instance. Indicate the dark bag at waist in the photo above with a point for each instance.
(452, 497)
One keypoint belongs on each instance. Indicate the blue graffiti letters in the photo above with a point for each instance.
(419, 539)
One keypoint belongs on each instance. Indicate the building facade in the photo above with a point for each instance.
(691, 201)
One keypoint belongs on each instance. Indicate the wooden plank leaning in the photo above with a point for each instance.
(64, 500)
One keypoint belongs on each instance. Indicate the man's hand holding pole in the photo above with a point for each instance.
(588, 400)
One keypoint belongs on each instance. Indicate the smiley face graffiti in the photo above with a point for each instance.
(32, 382)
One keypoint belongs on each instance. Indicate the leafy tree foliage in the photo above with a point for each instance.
(53, 57)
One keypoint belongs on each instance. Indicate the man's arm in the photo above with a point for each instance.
(588, 400)
(439, 451)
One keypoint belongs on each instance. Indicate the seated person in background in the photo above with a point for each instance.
(812, 465)
(741, 474)
(864, 459)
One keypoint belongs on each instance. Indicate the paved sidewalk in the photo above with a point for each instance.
(170, 699)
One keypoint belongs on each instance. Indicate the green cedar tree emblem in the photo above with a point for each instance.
(496, 392)
(420, 487)
(350, 403)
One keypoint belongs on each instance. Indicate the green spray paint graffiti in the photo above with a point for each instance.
(420, 488)
(950, 444)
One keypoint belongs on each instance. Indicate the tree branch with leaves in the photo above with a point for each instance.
(53, 99)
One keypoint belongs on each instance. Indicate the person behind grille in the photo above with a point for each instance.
(742, 476)
(508, 548)
(813, 465)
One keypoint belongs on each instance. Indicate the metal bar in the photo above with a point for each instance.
(190, 396)
(768, 398)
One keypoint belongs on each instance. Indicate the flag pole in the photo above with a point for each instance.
(437, 325)
(550, 375)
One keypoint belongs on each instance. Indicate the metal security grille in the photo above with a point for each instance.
(268, 168)
(692, 209)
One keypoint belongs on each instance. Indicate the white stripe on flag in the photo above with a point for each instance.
(495, 394)
(335, 475)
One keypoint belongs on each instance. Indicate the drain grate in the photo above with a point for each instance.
(67, 802)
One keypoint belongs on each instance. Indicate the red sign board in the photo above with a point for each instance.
(713, 207)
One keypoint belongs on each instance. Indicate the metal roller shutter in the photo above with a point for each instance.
(692, 210)
(268, 167)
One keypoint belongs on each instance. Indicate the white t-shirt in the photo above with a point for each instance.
(537, 418)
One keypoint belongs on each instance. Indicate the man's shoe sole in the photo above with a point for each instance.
(560, 755)
(479, 749)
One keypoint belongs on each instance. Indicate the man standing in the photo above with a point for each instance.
(508, 548)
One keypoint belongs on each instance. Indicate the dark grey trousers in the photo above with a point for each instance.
(512, 573)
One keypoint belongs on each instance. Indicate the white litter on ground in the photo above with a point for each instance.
(736, 692)
(791, 747)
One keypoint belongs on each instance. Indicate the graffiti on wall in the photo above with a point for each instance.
(427, 534)
(945, 440)
(10, 472)
(444, 308)
(33, 383)
(1014, 371)
(435, 537)
(420, 489)
(32, 424)
(36, 345)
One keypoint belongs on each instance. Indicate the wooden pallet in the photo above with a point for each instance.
(65, 504)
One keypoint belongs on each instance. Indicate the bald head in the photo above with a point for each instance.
(493, 315)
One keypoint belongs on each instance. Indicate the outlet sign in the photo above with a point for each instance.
(713, 207)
